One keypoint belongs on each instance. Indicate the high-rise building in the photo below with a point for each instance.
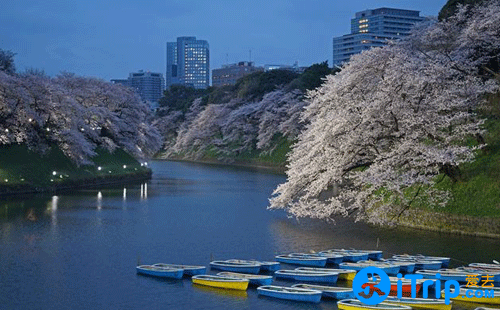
(188, 62)
(372, 28)
(149, 85)
(229, 74)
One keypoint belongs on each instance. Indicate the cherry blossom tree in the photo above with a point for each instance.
(392, 120)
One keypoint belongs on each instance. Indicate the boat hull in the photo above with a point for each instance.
(231, 285)
(312, 262)
(353, 304)
(464, 296)
(312, 277)
(330, 291)
(188, 270)
(167, 273)
(243, 268)
(420, 303)
(313, 297)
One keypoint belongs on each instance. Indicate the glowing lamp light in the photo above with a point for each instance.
(142, 164)
(6, 180)
(30, 119)
(99, 168)
(48, 129)
(54, 172)
(6, 130)
(124, 166)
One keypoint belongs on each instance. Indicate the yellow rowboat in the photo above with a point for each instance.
(344, 274)
(483, 295)
(354, 304)
(419, 303)
(221, 282)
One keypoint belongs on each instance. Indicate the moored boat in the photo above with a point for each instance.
(307, 276)
(290, 293)
(486, 266)
(445, 261)
(446, 274)
(264, 265)
(349, 255)
(344, 274)
(162, 272)
(405, 286)
(420, 264)
(484, 295)
(253, 278)
(188, 270)
(390, 269)
(419, 303)
(329, 291)
(221, 282)
(304, 260)
(491, 273)
(332, 258)
(372, 254)
(253, 268)
(405, 266)
(354, 304)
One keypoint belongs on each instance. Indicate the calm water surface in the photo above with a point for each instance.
(79, 250)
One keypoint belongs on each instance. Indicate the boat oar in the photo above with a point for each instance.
(496, 262)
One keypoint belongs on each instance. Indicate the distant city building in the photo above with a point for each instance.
(149, 85)
(229, 74)
(188, 63)
(372, 28)
(295, 67)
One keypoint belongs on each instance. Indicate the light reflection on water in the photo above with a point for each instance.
(79, 249)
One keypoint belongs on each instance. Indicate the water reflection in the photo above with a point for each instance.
(99, 200)
(220, 291)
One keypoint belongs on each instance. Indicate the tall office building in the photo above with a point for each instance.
(229, 74)
(373, 28)
(149, 85)
(188, 62)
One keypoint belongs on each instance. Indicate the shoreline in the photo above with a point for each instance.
(24, 189)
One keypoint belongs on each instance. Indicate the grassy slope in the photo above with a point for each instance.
(20, 166)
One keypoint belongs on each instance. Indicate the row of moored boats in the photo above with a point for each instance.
(318, 280)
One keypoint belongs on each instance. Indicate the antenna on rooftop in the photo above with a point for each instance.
(250, 52)
(227, 58)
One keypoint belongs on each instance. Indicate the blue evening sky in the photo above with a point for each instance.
(109, 39)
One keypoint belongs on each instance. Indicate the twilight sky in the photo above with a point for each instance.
(109, 39)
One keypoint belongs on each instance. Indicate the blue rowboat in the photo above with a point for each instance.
(493, 275)
(264, 265)
(253, 278)
(421, 264)
(446, 274)
(445, 261)
(329, 291)
(406, 266)
(349, 256)
(344, 274)
(253, 268)
(305, 260)
(161, 272)
(390, 269)
(332, 258)
(188, 270)
(290, 293)
(307, 276)
(489, 267)
(351, 304)
(372, 254)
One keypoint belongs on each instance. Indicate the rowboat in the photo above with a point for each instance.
(290, 293)
(390, 269)
(253, 278)
(446, 274)
(221, 282)
(420, 264)
(264, 265)
(493, 274)
(419, 303)
(483, 308)
(304, 260)
(354, 304)
(188, 270)
(162, 272)
(344, 274)
(372, 254)
(405, 266)
(307, 276)
(445, 261)
(329, 291)
(236, 267)
(349, 256)
(332, 258)
(467, 294)
(486, 266)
